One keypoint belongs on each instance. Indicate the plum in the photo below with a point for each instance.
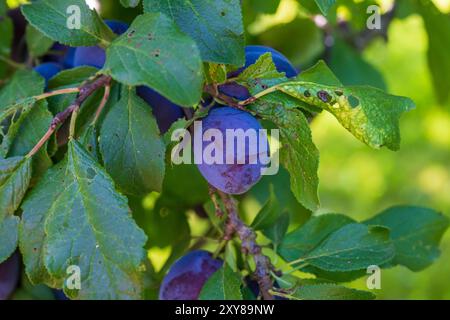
(61, 54)
(239, 175)
(48, 70)
(252, 53)
(95, 56)
(9, 276)
(164, 111)
(59, 294)
(186, 277)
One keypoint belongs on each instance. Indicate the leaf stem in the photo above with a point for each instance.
(56, 93)
(12, 63)
(259, 95)
(73, 122)
(102, 103)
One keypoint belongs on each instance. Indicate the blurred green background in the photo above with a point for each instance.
(355, 179)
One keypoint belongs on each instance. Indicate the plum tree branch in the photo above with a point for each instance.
(263, 266)
(229, 101)
(84, 91)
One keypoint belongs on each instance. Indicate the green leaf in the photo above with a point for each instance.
(16, 102)
(278, 229)
(325, 5)
(37, 43)
(53, 19)
(89, 140)
(437, 25)
(415, 232)
(6, 29)
(74, 216)
(328, 291)
(353, 247)
(304, 239)
(185, 183)
(9, 228)
(298, 153)
(70, 78)
(130, 3)
(224, 284)
(215, 25)
(33, 126)
(133, 151)
(155, 53)
(15, 176)
(370, 114)
(263, 68)
(24, 84)
(262, 75)
(164, 224)
(320, 73)
(3, 7)
(215, 73)
(268, 214)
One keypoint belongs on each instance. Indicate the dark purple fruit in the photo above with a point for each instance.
(186, 277)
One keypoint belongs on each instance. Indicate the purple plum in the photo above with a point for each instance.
(164, 111)
(9, 276)
(186, 277)
(95, 56)
(252, 53)
(244, 171)
(48, 70)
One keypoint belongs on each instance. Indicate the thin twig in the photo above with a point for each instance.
(214, 92)
(84, 92)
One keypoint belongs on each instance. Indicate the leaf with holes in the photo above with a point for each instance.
(370, 114)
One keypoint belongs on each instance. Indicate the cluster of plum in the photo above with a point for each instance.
(187, 276)
(235, 178)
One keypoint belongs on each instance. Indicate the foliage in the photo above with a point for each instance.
(95, 187)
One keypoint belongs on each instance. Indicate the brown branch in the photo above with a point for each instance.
(85, 91)
(249, 246)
